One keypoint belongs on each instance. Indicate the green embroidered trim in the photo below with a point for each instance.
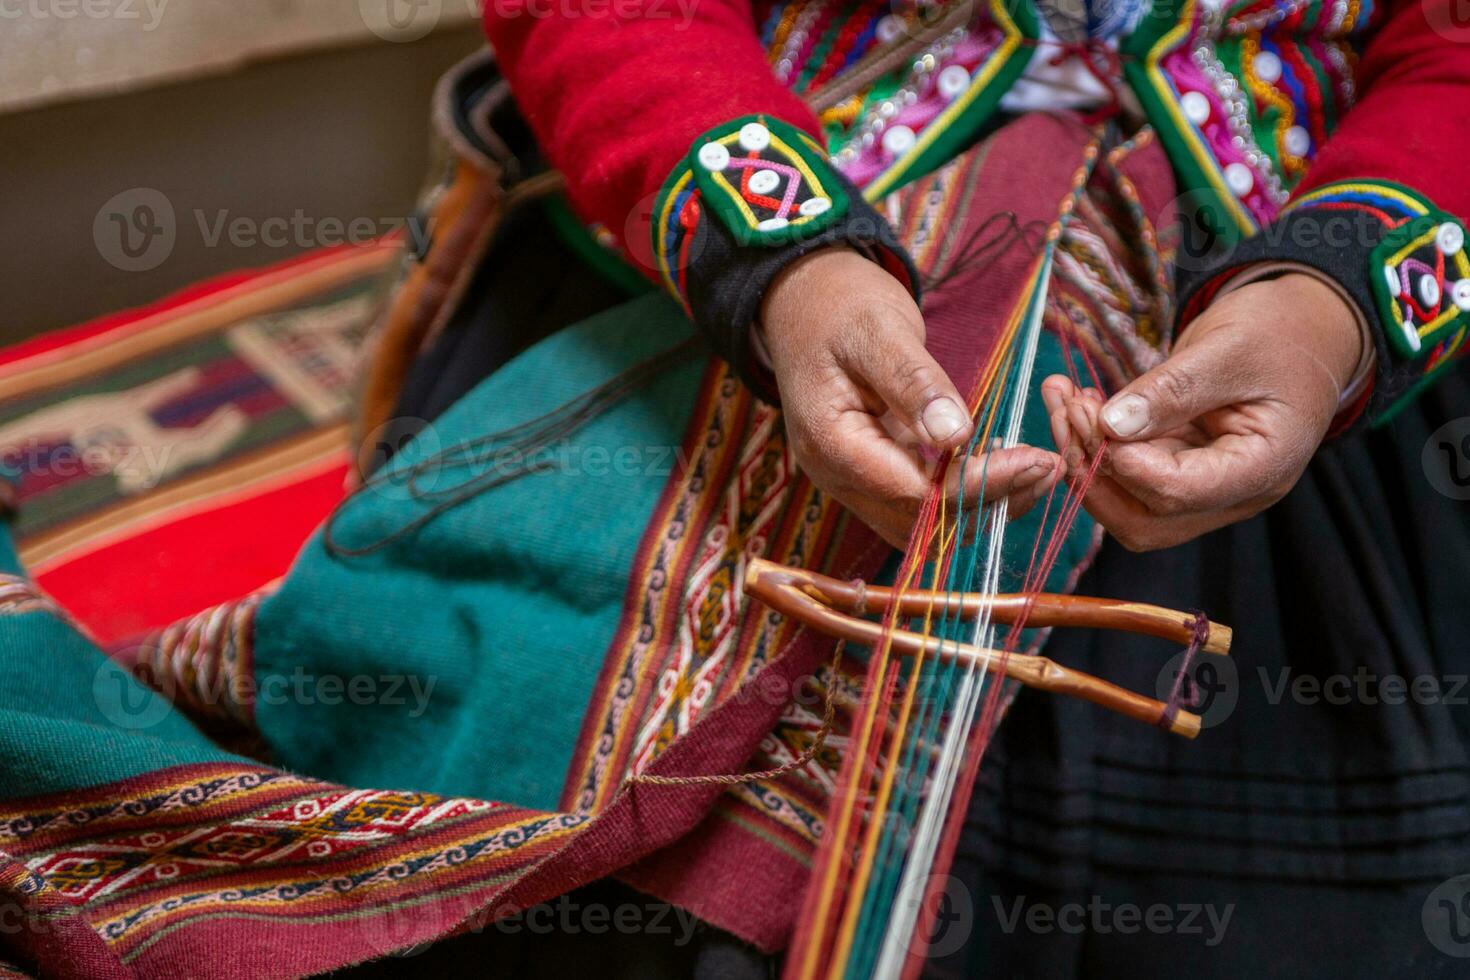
(955, 128)
(665, 229)
(768, 182)
(1166, 28)
(1419, 274)
(1414, 253)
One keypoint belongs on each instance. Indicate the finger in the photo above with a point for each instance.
(1002, 473)
(856, 461)
(1212, 373)
(1055, 391)
(1083, 416)
(1231, 471)
(1021, 503)
(889, 358)
(1138, 529)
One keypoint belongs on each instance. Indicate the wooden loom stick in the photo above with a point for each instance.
(1046, 609)
(769, 583)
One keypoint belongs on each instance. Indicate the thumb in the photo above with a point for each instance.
(892, 361)
(1194, 380)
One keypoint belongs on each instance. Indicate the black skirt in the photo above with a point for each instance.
(1326, 805)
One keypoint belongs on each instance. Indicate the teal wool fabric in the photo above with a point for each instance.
(492, 619)
(69, 717)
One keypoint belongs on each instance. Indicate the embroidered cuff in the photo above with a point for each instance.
(753, 196)
(1403, 262)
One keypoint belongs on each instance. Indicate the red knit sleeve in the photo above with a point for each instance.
(617, 91)
(1411, 124)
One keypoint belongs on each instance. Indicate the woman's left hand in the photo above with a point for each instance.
(1223, 428)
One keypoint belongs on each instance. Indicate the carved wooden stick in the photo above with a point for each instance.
(809, 598)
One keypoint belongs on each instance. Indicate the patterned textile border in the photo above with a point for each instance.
(191, 844)
(188, 424)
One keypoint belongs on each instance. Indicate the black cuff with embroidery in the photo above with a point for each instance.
(753, 196)
(1404, 261)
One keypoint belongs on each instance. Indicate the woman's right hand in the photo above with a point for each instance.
(867, 408)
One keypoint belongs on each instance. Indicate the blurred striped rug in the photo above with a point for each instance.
(177, 455)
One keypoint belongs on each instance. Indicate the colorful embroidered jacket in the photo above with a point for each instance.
(716, 140)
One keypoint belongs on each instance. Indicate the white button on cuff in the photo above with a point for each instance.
(755, 137)
(1460, 293)
(1450, 238)
(1298, 141)
(953, 81)
(1395, 286)
(815, 205)
(898, 140)
(772, 224)
(764, 181)
(1240, 179)
(714, 156)
(1411, 334)
(1196, 107)
(1429, 291)
(1268, 67)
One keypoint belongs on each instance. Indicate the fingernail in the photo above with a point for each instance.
(1126, 414)
(943, 418)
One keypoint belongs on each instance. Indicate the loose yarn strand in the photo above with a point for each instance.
(829, 715)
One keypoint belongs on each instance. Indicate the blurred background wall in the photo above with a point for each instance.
(281, 119)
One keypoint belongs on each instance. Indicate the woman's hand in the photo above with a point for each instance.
(867, 409)
(1223, 428)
